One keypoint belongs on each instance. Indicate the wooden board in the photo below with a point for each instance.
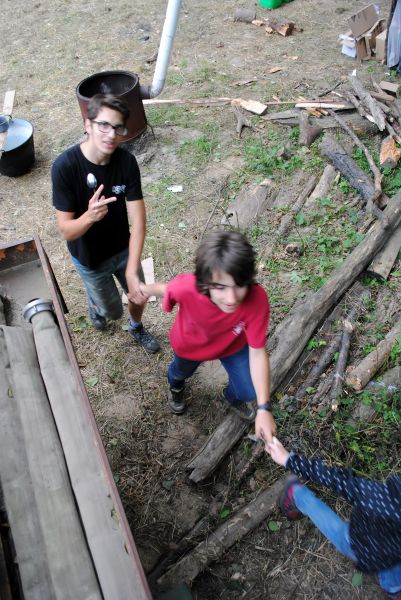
(119, 572)
(65, 549)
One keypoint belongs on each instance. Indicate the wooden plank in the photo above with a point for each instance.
(109, 485)
(7, 110)
(119, 572)
(66, 551)
(8, 103)
(18, 492)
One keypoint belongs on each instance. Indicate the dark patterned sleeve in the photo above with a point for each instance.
(374, 498)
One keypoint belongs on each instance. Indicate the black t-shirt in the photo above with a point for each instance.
(120, 177)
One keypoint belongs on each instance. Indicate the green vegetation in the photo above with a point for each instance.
(171, 115)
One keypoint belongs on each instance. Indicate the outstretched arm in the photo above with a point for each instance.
(374, 498)
(153, 289)
(265, 426)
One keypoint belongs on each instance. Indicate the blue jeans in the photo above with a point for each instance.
(100, 286)
(240, 387)
(337, 532)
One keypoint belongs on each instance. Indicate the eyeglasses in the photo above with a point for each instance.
(106, 127)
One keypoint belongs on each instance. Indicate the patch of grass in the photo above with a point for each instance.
(370, 448)
(170, 115)
(198, 152)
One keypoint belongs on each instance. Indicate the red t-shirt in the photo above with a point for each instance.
(201, 331)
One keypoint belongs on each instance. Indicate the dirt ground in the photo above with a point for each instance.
(48, 47)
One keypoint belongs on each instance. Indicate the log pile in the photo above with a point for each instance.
(343, 297)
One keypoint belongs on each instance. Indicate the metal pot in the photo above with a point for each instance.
(18, 153)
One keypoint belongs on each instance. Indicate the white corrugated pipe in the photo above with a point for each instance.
(163, 56)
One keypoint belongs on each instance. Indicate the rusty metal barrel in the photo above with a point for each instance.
(122, 84)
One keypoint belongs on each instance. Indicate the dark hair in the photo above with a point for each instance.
(99, 101)
(227, 252)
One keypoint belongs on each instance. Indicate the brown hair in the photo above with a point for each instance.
(228, 252)
(99, 101)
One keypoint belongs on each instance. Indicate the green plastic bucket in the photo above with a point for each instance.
(270, 3)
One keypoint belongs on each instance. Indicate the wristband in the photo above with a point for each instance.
(267, 406)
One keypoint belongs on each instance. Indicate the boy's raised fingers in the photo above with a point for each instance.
(105, 201)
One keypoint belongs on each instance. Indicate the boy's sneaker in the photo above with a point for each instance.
(245, 410)
(286, 500)
(97, 321)
(175, 400)
(144, 338)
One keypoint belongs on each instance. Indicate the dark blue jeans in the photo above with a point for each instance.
(240, 387)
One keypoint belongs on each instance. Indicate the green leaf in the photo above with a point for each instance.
(116, 477)
(168, 484)
(273, 525)
(224, 513)
(356, 580)
(124, 327)
(92, 381)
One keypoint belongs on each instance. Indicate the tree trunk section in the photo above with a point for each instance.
(384, 260)
(227, 434)
(348, 167)
(214, 546)
(359, 377)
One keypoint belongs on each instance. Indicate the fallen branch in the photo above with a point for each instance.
(369, 102)
(242, 121)
(307, 132)
(360, 375)
(214, 546)
(349, 323)
(289, 217)
(323, 185)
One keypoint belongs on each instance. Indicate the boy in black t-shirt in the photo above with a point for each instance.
(95, 184)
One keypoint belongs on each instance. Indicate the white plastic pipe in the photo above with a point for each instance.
(163, 57)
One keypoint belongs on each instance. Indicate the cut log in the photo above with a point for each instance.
(216, 447)
(307, 132)
(242, 121)
(280, 25)
(250, 202)
(388, 385)
(376, 173)
(349, 168)
(384, 260)
(245, 15)
(369, 102)
(218, 542)
(323, 186)
(368, 367)
(390, 154)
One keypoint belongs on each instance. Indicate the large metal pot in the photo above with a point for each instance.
(119, 83)
(18, 153)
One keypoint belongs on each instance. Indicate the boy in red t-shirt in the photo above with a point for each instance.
(222, 314)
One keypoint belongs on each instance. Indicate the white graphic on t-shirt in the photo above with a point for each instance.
(118, 189)
(238, 329)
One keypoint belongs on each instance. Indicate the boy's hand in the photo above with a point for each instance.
(265, 425)
(135, 293)
(277, 451)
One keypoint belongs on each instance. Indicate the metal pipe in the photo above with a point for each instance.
(163, 57)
